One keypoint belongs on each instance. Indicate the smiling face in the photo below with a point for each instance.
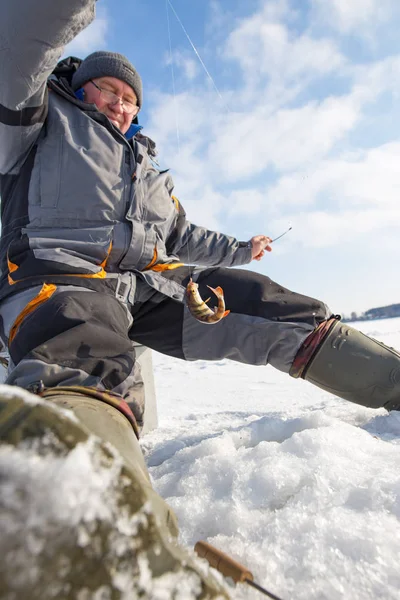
(113, 110)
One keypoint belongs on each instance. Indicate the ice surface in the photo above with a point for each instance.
(300, 486)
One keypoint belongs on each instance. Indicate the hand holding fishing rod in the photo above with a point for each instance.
(261, 244)
(229, 567)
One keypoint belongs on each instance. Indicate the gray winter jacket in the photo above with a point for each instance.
(80, 202)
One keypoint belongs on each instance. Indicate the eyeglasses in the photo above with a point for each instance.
(111, 98)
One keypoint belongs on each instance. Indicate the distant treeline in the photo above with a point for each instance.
(382, 312)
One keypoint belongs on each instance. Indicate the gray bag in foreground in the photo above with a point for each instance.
(80, 518)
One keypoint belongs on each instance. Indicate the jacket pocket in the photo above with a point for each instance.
(60, 252)
(44, 188)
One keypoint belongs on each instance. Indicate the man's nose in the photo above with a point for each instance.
(117, 106)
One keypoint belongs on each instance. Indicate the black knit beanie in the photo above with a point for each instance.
(108, 64)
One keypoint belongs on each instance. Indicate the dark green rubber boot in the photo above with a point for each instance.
(342, 360)
(79, 517)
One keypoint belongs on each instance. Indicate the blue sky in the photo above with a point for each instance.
(304, 130)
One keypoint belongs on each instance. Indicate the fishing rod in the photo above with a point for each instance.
(229, 567)
(282, 234)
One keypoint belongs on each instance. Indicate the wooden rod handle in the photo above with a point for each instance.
(223, 563)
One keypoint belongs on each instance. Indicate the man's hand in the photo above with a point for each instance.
(260, 245)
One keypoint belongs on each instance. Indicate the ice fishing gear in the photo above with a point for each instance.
(282, 234)
(229, 567)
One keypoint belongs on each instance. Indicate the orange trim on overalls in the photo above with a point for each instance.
(162, 266)
(11, 269)
(45, 293)
(100, 275)
(153, 260)
(104, 263)
(167, 266)
(176, 202)
(11, 266)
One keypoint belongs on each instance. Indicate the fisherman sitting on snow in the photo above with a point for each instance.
(94, 246)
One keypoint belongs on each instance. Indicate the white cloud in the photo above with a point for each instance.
(285, 140)
(352, 197)
(375, 78)
(360, 17)
(177, 120)
(288, 126)
(92, 38)
(262, 46)
(187, 66)
(245, 201)
(367, 178)
(323, 229)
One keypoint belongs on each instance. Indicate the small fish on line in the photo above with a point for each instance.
(198, 307)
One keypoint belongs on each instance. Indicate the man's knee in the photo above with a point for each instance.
(74, 337)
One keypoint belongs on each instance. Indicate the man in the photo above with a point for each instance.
(94, 249)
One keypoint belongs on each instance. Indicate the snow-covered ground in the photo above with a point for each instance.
(300, 486)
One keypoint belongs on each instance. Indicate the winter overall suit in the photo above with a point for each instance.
(94, 245)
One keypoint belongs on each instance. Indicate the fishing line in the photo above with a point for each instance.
(167, 4)
(173, 79)
(197, 54)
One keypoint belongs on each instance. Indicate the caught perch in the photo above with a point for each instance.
(198, 307)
